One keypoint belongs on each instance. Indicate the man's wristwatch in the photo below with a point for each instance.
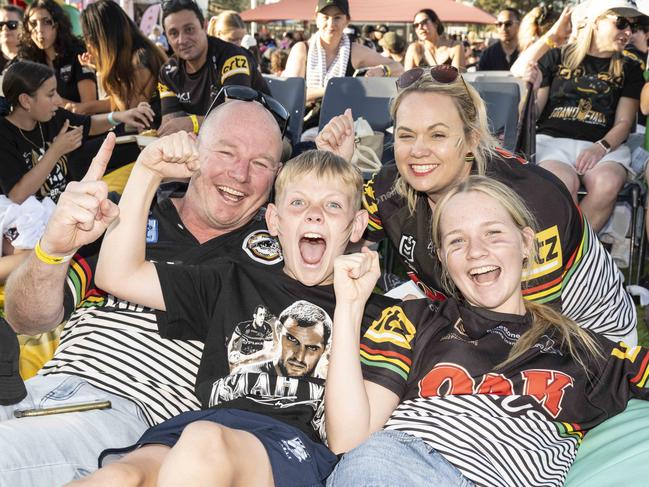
(605, 145)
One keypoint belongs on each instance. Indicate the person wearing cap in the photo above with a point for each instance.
(329, 53)
(200, 66)
(394, 46)
(501, 55)
(588, 100)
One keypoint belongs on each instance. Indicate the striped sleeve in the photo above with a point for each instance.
(374, 226)
(386, 350)
(625, 375)
(80, 290)
(592, 290)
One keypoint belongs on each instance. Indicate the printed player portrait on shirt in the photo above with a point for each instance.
(296, 344)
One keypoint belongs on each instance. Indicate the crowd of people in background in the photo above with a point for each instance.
(206, 313)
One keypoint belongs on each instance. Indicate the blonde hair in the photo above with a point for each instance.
(473, 114)
(544, 319)
(322, 164)
(226, 21)
(573, 54)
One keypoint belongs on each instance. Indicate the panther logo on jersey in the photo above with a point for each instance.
(262, 247)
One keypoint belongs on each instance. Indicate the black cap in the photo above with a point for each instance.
(12, 387)
(343, 5)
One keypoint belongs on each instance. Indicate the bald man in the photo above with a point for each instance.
(110, 350)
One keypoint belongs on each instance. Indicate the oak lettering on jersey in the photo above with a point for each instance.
(546, 386)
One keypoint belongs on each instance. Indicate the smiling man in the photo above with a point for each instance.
(110, 349)
(200, 66)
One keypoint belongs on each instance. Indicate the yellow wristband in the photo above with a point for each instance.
(550, 43)
(387, 72)
(47, 258)
(194, 120)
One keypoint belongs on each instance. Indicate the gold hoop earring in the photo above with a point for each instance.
(469, 158)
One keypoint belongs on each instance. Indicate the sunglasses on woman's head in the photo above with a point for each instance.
(245, 93)
(622, 23)
(10, 24)
(442, 74)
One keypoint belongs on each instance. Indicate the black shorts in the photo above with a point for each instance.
(296, 460)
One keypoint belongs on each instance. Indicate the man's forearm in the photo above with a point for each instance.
(34, 296)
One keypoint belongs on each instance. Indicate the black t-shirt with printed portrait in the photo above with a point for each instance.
(69, 72)
(286, 381)
(442, 364)
(23, 149)
(582, 102)
(226, 64)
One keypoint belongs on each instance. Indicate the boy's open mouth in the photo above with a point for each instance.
(485, 274)
(312, 248)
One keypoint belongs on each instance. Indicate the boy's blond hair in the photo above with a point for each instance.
(322, 164)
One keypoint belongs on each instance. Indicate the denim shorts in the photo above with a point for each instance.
(296, 459)
(395, 459)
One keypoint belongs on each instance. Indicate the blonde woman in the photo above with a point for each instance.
(485, 389)
(588, 102)
(227, 26)
(441, 136)
(430, 49)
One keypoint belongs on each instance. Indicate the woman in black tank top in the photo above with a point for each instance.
(430, 49)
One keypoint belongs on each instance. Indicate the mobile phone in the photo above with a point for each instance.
(69, 408)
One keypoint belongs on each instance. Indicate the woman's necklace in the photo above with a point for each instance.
(41, 149)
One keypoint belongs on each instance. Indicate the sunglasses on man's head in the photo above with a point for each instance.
(622, 23)
(245, 93)
(506, 24)
(10, 24)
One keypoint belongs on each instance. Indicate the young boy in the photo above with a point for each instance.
(266, 423)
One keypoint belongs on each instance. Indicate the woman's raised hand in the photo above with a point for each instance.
(338, 136)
